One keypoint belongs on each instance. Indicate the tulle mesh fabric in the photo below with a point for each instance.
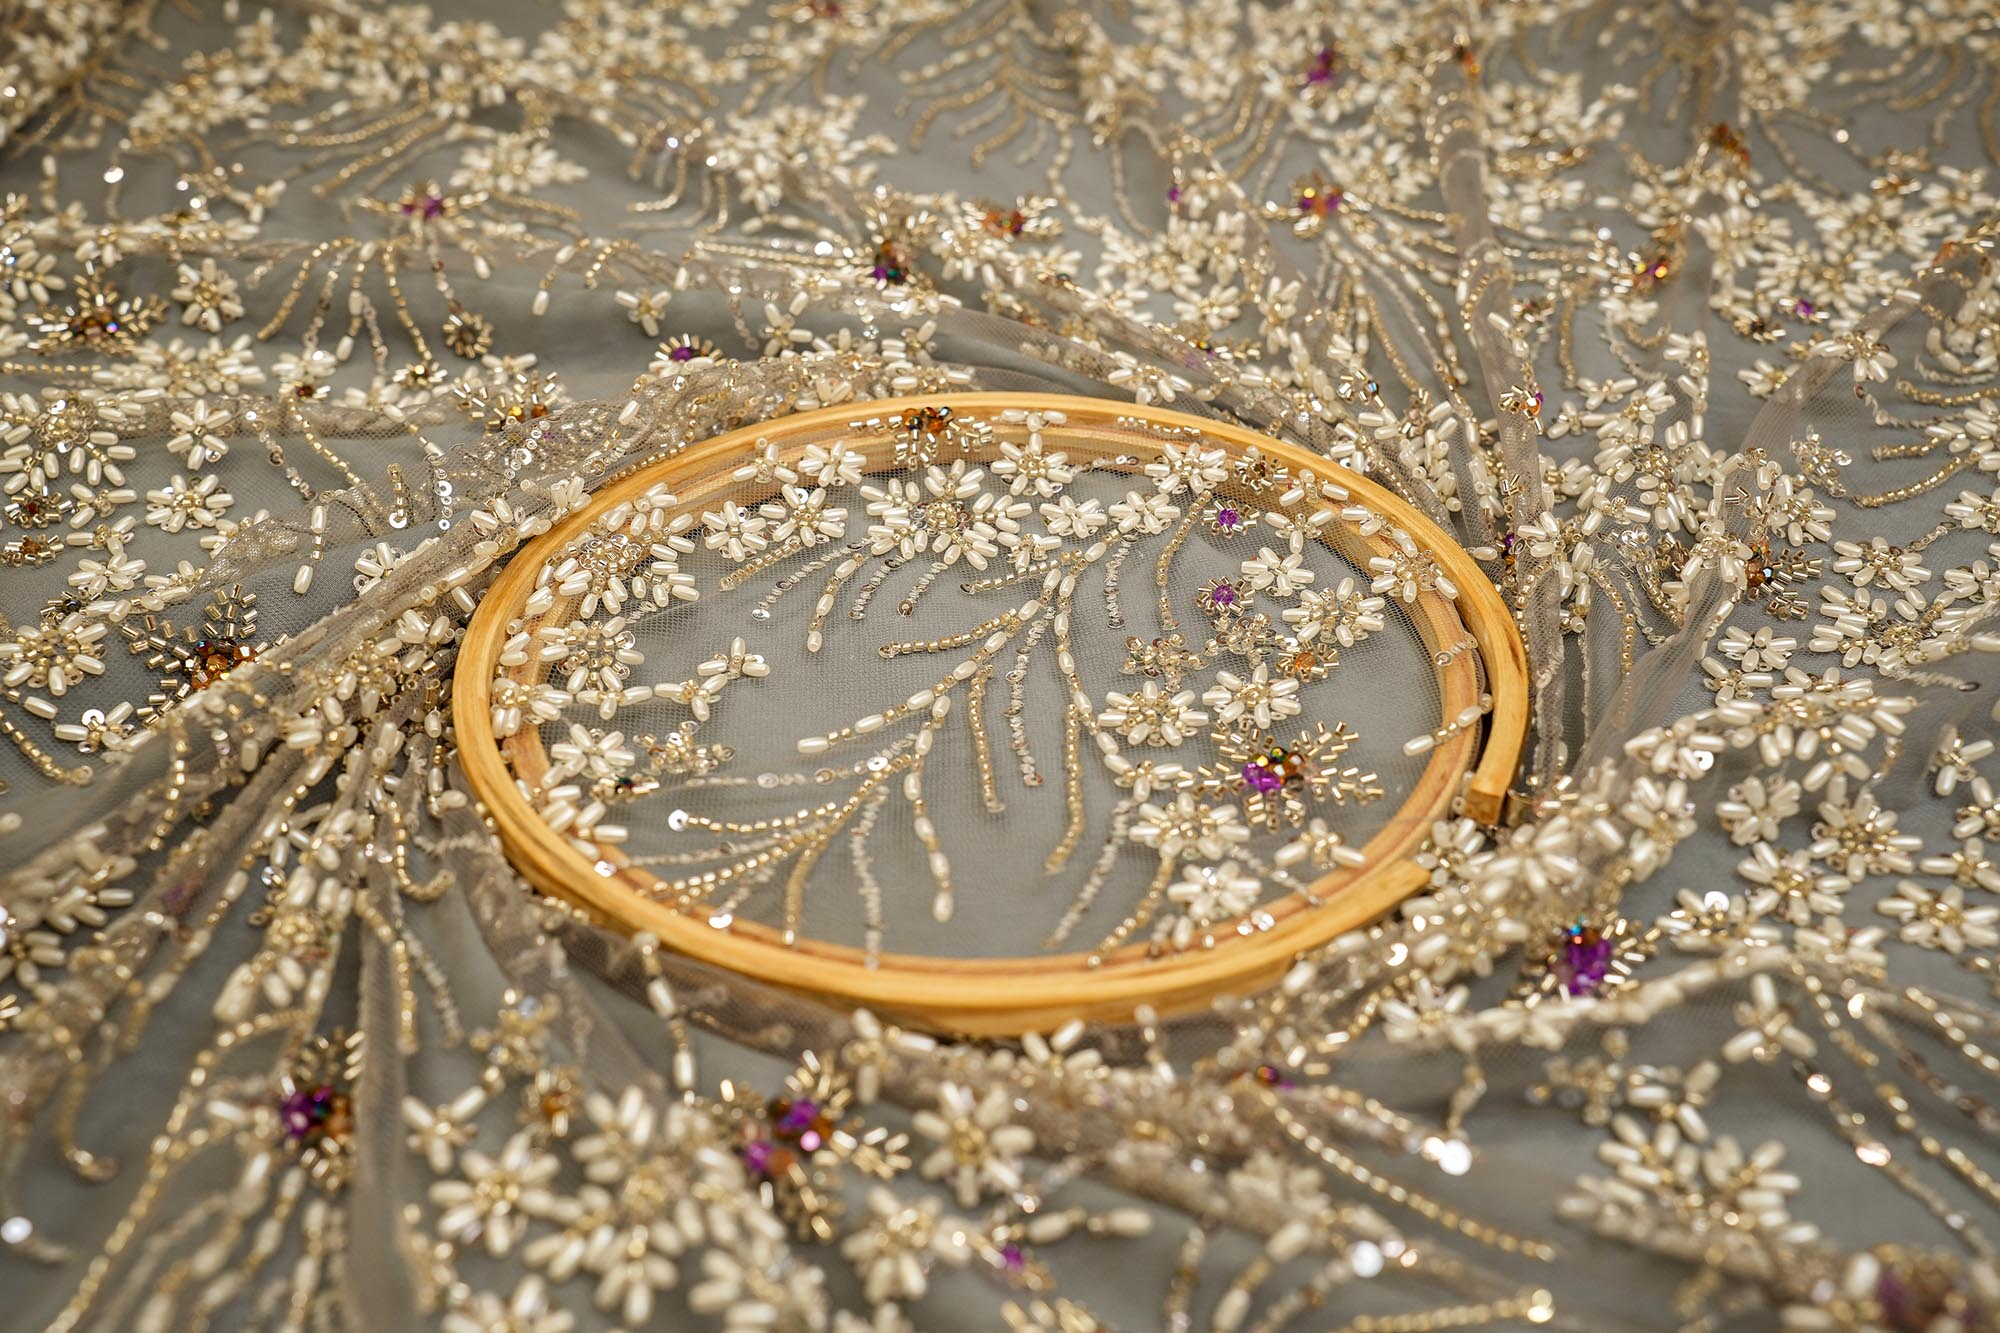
(1398, 1115)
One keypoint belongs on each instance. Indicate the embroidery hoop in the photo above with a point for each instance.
(1469, 772)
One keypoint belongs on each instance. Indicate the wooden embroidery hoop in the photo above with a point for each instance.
(1469, 771)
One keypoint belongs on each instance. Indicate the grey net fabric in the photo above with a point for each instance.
(1681, 318)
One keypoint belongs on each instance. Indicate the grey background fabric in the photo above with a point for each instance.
(1525, 1156)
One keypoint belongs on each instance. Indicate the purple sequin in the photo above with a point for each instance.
(1587, 959)
(305, 1111)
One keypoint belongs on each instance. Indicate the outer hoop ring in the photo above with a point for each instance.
(1004, 996)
